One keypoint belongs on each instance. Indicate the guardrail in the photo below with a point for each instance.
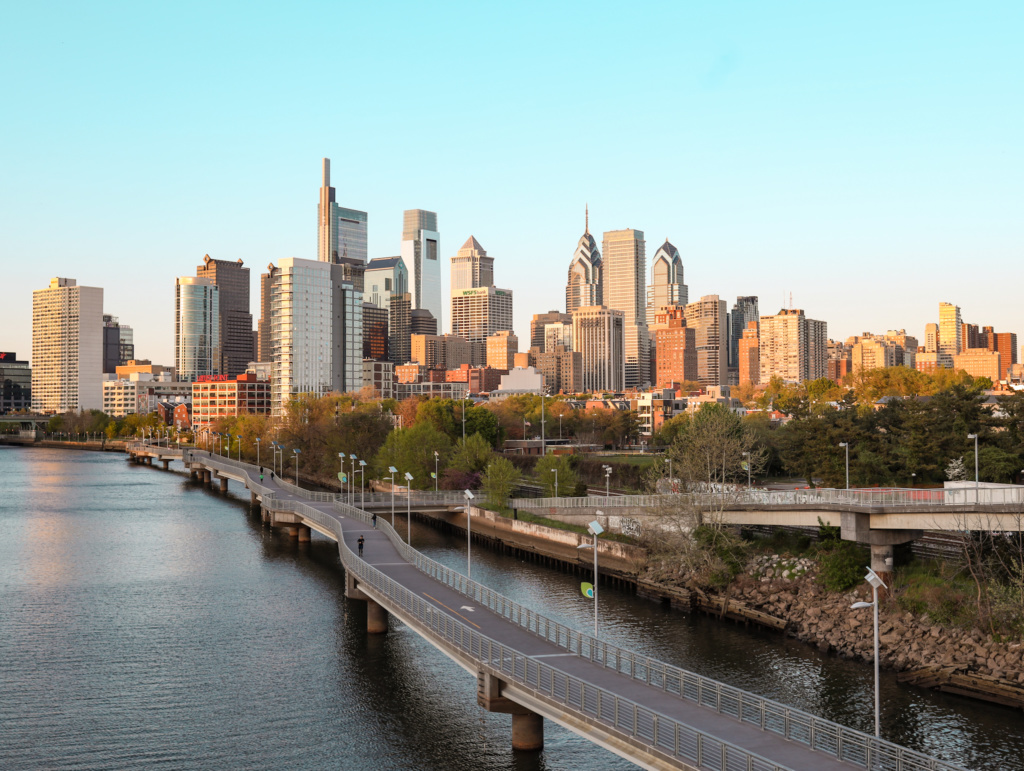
(660, 731)
(423, 497)
(892, 498)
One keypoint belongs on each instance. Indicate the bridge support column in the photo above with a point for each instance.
(290, 530)
(527, 731)
(193, 474)
(881, 562)
(167, 464)
(253, 500)
(305, 534)
(205, 474)
(376, 618)
(223, 484)
(266, 515)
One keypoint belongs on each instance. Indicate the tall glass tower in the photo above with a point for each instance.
(197, 348)
(341, 232)
(420, 251)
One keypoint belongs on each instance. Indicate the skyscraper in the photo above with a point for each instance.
(950, 333)
(196, 328)
(263, 328)
(384, 278)
(743, 312)
(666, 287)
(471, 267)
(235, 320)
(539, 322)
(479, 313)
(341, 232)
(67, 347)
(375, 332)
(793, 347)
(502, 347)
(707, 317)
(118, 344)
(421, 245)
(399, 328)
(597, 332)
(584, 286)
(624, 274)
(316, 331)
(749, 356)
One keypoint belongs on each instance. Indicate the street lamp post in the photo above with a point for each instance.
(393, 471)
(595, 530)
(239, 447)
(469, 533)
(607, 481)
(408, 508)
(747, 456)
(257, 451)
(556, 481)
(351, 484)
(977, 492)
(296, 451)
(873, 579)
(436, 458)
(341, 472)
(847, 446)
(463, 420)
(362, 484)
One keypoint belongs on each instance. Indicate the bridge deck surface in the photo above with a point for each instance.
(382, 554)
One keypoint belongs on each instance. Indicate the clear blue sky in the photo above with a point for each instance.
(866, 157)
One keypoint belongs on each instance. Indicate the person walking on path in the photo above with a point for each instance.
(261, 474)
(361, 539)
(373, 521)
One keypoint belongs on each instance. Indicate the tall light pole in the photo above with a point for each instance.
(559, 426)
(747, 456)
(847, 446)
(556, 481)
(436, 458)
(239, 447)
(595, 530)
(393, 471)
(463, 420)
(469, 533)
(341, 472)
(607, 481)
(543, 450)
(362, 484)
(257, 451)
(351, 485)
(977, 492)
(408, 508)
(873, 579)
(296, 452)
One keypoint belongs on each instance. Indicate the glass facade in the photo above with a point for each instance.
(197, 342)
(15, 383)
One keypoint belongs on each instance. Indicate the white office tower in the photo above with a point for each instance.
(666, 287)
(471, 267)
(479, 313)
(385, 277)
(197, 342)
(420, 251)
(597, 333)
(67, 347)
(341, 232)
(584, 286)
(316, 331)
(624, 275)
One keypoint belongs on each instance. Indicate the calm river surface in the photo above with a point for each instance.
(148, 623)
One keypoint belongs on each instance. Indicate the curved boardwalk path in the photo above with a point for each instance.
(653, 714)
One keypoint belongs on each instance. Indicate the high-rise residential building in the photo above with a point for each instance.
(598, 333)
(666, 287)
(263, 327)
(969, 337)
(440, 352)
(502, 347)
(316, 331)
(793, 347)
(906, 347)
(341, 232)
(15, 383)
(421, 245)
(749, 355)
(950, 333)
(676, 346)
(471, 267)
(118, 343)
(479, 313)
(743, 312)
(562, 369)
(375, 332)
(1003, 342)
(624, 270)
(538, 326)
(931, 338)
(399, 328)
(67, 347)
(585, 285)
(384, 278)
(869, 351)
(980, 362)
(558, 334)
(196, 328)
(707, 318)
(232, 279)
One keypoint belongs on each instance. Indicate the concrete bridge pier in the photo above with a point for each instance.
(253, 500)
(207, 478)
(376, 618)
(193, 474)
(305, 534)
(857, 527)
(223, 484)
(167, 464)
(527, 726)
(266, 515)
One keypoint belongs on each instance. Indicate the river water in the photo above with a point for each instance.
(148, 623)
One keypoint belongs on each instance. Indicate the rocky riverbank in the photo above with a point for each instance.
(787, 588)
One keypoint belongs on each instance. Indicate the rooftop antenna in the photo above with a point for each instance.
(791, 301)
(586, 215)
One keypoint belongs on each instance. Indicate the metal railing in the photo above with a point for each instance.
(421, 497)
(882, 498)
(661, 732)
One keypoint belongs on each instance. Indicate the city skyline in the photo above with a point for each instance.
(796, 160)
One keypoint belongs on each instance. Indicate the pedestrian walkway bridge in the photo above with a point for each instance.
(649, 712)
